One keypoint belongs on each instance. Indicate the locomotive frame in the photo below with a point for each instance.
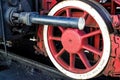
(81, 37)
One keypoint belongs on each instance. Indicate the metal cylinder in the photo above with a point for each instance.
(58, 21)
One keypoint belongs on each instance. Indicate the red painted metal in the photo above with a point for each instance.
(79, 43)
(48, 4)
(115, 17)
(73, 42)
(40, 45)
(117, 2)
(79, 40)
(113, 67)
(116, 21)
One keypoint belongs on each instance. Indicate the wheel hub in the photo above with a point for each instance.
(72, 40)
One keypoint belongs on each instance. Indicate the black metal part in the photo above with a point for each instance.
(13, 2)
(9, 15)
(9, 7)
(36, 5)
(25, 5)
(1, 20)
(2, 28)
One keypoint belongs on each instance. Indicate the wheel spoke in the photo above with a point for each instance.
(72, 61)
(62, 29)
(93, 49)
(91, 34)
(97, 41)
(84, 59)
(85, 15)
(97, 45)
(60, 53)
(68, 12)
(55, 38)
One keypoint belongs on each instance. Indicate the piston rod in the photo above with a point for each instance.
(59, 21)
(30, 18)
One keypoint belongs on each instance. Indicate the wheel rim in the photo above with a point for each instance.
(59, 42)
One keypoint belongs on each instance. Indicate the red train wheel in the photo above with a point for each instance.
(73, 51)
